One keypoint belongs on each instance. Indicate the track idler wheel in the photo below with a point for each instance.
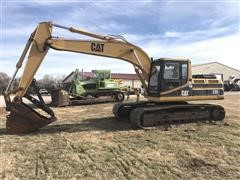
(120, 111)
(23, 119)
(217, 113)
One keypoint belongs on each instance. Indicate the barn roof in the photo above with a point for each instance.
(124, 76)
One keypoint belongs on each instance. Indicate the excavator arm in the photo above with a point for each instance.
(22, 118)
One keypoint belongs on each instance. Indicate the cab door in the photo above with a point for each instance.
(101, 80)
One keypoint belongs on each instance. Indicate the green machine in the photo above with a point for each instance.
(100, 84)
(80, 88)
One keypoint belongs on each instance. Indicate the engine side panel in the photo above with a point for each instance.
(200, 89)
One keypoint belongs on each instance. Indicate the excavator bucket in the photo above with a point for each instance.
(23, 119)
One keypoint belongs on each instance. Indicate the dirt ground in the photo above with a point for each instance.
(88, 142)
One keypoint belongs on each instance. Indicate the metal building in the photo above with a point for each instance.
(215, 68)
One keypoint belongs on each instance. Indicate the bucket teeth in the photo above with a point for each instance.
(23, 119)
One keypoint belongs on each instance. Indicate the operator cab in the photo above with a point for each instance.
(167, 74)
(101, 74)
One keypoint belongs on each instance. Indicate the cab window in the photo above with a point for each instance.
(171, 71)
(184, 71)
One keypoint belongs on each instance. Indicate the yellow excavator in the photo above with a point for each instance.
(168, 83)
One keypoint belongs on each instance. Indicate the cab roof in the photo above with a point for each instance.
(171, 59)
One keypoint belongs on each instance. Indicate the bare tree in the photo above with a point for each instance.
(49, 82)
(4, 80)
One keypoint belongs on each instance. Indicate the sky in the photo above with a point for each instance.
(200, 30)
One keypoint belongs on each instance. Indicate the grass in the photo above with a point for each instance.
(87, 142)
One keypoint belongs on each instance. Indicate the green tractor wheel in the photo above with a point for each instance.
(119, 97)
